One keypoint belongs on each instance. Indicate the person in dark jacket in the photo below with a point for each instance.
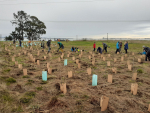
(14, 41)
(104, 47)
(48, 44)
(120, 46)
(147, 50)
(99, 49)
(126, 46)
(42, 45)
(20, 42)
(117, 47)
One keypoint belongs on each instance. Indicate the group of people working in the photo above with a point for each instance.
(146, 50)
(61, 46)
(118, 47)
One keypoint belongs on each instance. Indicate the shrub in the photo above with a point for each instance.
(30, 94)
(131, 81)
(26, 76)
(39, 88)
(19, 109)
(140, 71)
(31, 81)
(10, 80)
(7, 98)
(61, 95)
(7, 70)
(44, 82)
(25, 100)
(85, 96)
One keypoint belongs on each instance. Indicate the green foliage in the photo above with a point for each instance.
(140, 83)
(62, 95)
(84, 39)
(54, 99)
(105, 76)
(85, 96)
(35, 107)
(139, 71)
(131, 81)
(25, 100)
(6, 70)
(27, 76)
(29, 82)
(10, 80)
(94, 67)
(44, 82)
(8, 38)
(30, 94)
(7, 98)
(19, 109)
(28, 25)
(39, 88)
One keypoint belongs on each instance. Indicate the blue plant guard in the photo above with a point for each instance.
(65, 62)
(44, 75)
(94, 80)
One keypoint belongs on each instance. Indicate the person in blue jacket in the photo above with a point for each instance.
(144, 52)
(73, 49)
(126, 46)
(117, 47)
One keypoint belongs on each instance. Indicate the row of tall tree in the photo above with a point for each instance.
(26, 26)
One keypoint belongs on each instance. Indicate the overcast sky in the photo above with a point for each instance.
(85, 18)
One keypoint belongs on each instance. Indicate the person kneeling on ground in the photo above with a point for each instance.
(144, 52)
(147, 50)
(72, 49)
(77, 49)
(99, 49)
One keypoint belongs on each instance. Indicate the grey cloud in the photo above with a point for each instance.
(111, 11)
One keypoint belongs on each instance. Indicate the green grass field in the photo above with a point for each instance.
(134, 46)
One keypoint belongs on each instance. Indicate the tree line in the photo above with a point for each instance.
(26, 25)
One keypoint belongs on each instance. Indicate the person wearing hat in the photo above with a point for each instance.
(117, 47)
(126, 46)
